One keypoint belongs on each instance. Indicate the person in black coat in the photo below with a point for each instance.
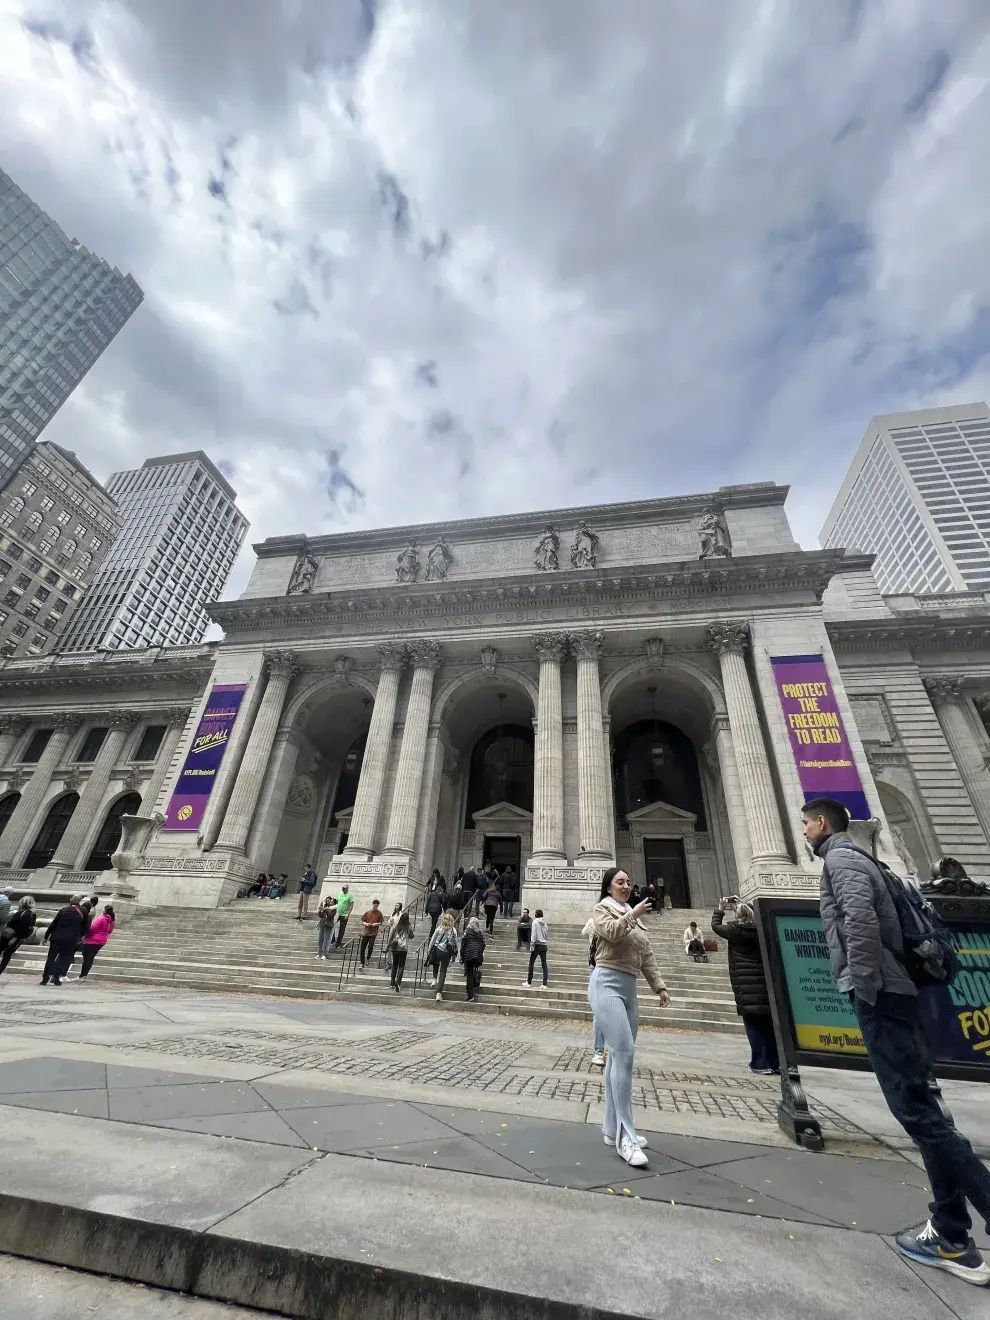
(469, 886)
(19, 927)
(472, 956)
(64, 935)
(434, 906)
(749, 983)
(510, 890)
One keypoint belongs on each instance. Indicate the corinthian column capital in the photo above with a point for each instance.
(588, 645)
(728, 638)
(942, 688)
(550, 646)
(282, 664)
(392, 656)
(426, 654)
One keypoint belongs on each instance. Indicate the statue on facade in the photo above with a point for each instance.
(303, 575)
(342, 666)
(438, 561)
(584, 552)
(407, 564)
(548, 550)
(716, 543)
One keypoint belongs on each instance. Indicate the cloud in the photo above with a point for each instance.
(410, 260)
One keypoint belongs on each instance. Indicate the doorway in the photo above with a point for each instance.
(503, 852)
(666, 866)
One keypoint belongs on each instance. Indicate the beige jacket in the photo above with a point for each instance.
(623, 944)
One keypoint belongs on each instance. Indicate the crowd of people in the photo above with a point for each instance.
(76, 928)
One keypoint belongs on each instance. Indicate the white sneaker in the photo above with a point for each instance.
(641, 1142)
(433, 984)
(543, 987)
(527, 985)
(633, 1154)
(439, 997)
(598, 1060)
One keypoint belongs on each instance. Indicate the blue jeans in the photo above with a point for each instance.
(899, 1054)
(614, 1004)
(323, 944)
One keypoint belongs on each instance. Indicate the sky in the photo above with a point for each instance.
(407, 260)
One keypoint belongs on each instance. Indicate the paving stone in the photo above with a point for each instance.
(363, 1126)
(567, 1154)
(699, 1152)
(472, 1121)
(459, 1154)
(704, 1188)
(91, 1104)
(122, 1076)
(51, 1074)
(147, 1104)
(308, 1097)
(262, 1126)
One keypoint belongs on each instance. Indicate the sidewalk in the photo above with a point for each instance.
(263, 1152)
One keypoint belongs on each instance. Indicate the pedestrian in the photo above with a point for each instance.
(437, 881)
(306, 886)
(63, 936)
(491, 901)
(469, 883)
(4, 910)
(283, 886)
(749, 982)
(391, 924)
(398, 946)
(95, 939)
(523, 928)
(258, 885)
(345, 901)
(653, 894)
(694, 943)
(472, 955)
(866, 944)
(19, 927)
(539, 941)
(598, 1057)
(327, 917)
(370, 922)
(622, 951)
(489, 879)
(443, 946)
(434, 906)
(510, 890)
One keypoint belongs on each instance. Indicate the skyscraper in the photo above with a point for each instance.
(180, 534)
(56, 525)
(60, 306)
(918, 496)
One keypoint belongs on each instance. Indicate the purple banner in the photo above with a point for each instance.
(199, 774)
(821, 749)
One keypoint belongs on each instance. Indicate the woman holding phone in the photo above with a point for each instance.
(622, 951)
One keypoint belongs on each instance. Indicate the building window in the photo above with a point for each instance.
(28, 488)
(7, 806)
(51, 577)
(50, 834)
(42, 593)
(22, 581)
(33, 521)
(38, 643)
(151, 741)
(39, 741)
(47, 503)
(11, 597)
(92, 743)
(34, 564)
(96, 542)
(63, 517)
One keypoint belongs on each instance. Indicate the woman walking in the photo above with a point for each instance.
(443, 946)
(622, 951)
(402, 933)
(20, 926)
(749, 983)
(491, 903)
(472, 956)
(539, 941)
(326, 919)
(95, 938)
(434, 906)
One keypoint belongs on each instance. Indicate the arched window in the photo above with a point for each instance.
(16, 504)
(85, 559)
(33, 521)
(501, 770)
(109, 835)
(69, 547)
(50, 834)
(7, 805)
(656, 762)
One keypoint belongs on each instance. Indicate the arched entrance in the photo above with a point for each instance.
(500, 796)
(8, 805)
(109, 835)
(50, 834)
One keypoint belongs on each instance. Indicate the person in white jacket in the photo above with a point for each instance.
(539, 941)
(598, 1058)
(694, 943)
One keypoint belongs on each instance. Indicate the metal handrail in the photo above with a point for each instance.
(348, 959)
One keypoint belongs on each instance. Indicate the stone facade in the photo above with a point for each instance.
(386, 706)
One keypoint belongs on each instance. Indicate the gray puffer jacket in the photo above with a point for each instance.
(860, 921)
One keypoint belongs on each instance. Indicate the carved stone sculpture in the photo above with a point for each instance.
(584, 551)
(489, 661)
(550, 646)
(342, 666)
(725, 637)
(407, 564)
(303, 575)
(588, 645)
(943, 688)
(136, 832)
(716, 543)
(548, 550)
(425, 654)
(438, 561)
(653, 646)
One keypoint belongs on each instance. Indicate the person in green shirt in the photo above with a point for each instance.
(345, 901)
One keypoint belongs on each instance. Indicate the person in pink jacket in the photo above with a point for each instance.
(96, 937)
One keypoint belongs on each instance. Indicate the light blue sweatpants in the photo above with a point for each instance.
(612, 996)
(599, 1034)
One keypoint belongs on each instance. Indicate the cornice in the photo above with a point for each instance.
(929, 634)
(617, 515)
(809, 570)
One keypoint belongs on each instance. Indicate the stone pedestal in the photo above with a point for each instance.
(389, 879)
(565, 893)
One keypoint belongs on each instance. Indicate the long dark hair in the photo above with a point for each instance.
(607, 879)
(403, 922)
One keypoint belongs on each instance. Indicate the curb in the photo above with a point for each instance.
(258, 1275)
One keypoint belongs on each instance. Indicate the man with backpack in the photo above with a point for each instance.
(864, 918)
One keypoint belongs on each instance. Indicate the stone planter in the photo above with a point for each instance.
(136, 832)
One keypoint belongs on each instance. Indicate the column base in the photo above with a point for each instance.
(595, 858)
(547, 859)
(356, 854)
(769, 878)
(565, 893)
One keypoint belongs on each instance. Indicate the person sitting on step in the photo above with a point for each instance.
(694, 943)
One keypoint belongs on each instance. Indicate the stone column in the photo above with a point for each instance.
(608, 747)
(88, 811)
(949, 701)
(548, 754)
(12, 729)
(368, 801)
(401, 840)
(14, 841)
(282, 667)
(725, 757)
(592, 774)
(729, 641)
(176, 721)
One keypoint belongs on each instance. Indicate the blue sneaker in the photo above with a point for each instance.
(931, 1248)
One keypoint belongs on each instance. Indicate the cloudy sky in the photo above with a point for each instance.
(417, 259)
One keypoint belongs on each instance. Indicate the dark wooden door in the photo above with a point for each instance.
(666, 866)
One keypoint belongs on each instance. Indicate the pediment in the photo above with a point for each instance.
(661, 813)
(503, 811)
(344, 817)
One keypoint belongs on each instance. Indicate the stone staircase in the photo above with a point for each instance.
(255, 946)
